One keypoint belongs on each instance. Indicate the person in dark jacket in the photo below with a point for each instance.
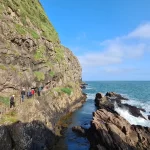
(39, 91)
(23, 93)
(12, 101)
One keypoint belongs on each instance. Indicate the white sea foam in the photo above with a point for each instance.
(125, 113)
(131, 119)
(89, 88)
(140, 104)
(90, 96)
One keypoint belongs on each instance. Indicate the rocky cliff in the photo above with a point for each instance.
(31, 55)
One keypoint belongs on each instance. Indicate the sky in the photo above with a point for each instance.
(111, 38)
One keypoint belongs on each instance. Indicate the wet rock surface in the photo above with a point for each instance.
(110, 131)
(80, 130)
(111, 99)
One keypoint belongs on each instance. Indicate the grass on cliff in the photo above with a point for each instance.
(52, 74)
(24, 30)
(4, 100)
(9, 118)
(3, 67)
(40, 53)
(39, 75)
(59, 54)
(66, 90)
(32, 10)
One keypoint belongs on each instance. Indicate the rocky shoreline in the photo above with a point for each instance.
(110, 131)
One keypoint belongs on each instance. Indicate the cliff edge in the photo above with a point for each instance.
(31, 55)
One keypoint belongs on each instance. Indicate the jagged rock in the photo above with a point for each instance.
(107, 102)
(110, 131)
(5, 139)
(115, 96)
(83, 86)
(99, 96)
(133, 110)
(31, 136)
(149, 117)
(80, 130)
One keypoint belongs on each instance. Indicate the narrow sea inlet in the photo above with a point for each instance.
(138, 93)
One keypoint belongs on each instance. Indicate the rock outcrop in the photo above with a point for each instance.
(110, 131)
(80, 130)
(31, 55)
(111, 99)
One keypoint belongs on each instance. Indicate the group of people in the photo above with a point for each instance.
(29, 94)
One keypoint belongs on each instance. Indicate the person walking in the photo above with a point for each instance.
(33, 92)
(39, 91)
(29, 95)
(12, 101)
(23, 93)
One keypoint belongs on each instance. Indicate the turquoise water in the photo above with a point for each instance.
(138, 93)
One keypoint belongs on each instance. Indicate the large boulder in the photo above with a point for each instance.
(107, 102)
(115, 96)
(80, 130)
(110, 131)
(30, 136)
(5, 139)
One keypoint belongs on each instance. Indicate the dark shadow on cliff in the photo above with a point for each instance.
(26, 136)
(35, 135)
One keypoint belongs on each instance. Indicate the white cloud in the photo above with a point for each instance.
(118, 50)
(118, 70)
(143, 31)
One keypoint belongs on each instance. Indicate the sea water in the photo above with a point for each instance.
(138, 93)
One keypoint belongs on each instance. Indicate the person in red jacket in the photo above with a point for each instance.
(32, 92)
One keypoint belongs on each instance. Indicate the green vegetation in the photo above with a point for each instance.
(13, 68)
(33, 33)
(24, 30)
(16, 53)
(9, 118)
(39, 75)
(34, 11)
(1, 9)
(20, 29)
(20, 74)
(66, 90)
(3, 67)
(4, 100)
(59, 54)
(49, 64)
(52, 73)
(40, 53)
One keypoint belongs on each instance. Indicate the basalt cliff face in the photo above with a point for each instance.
(31, 56)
